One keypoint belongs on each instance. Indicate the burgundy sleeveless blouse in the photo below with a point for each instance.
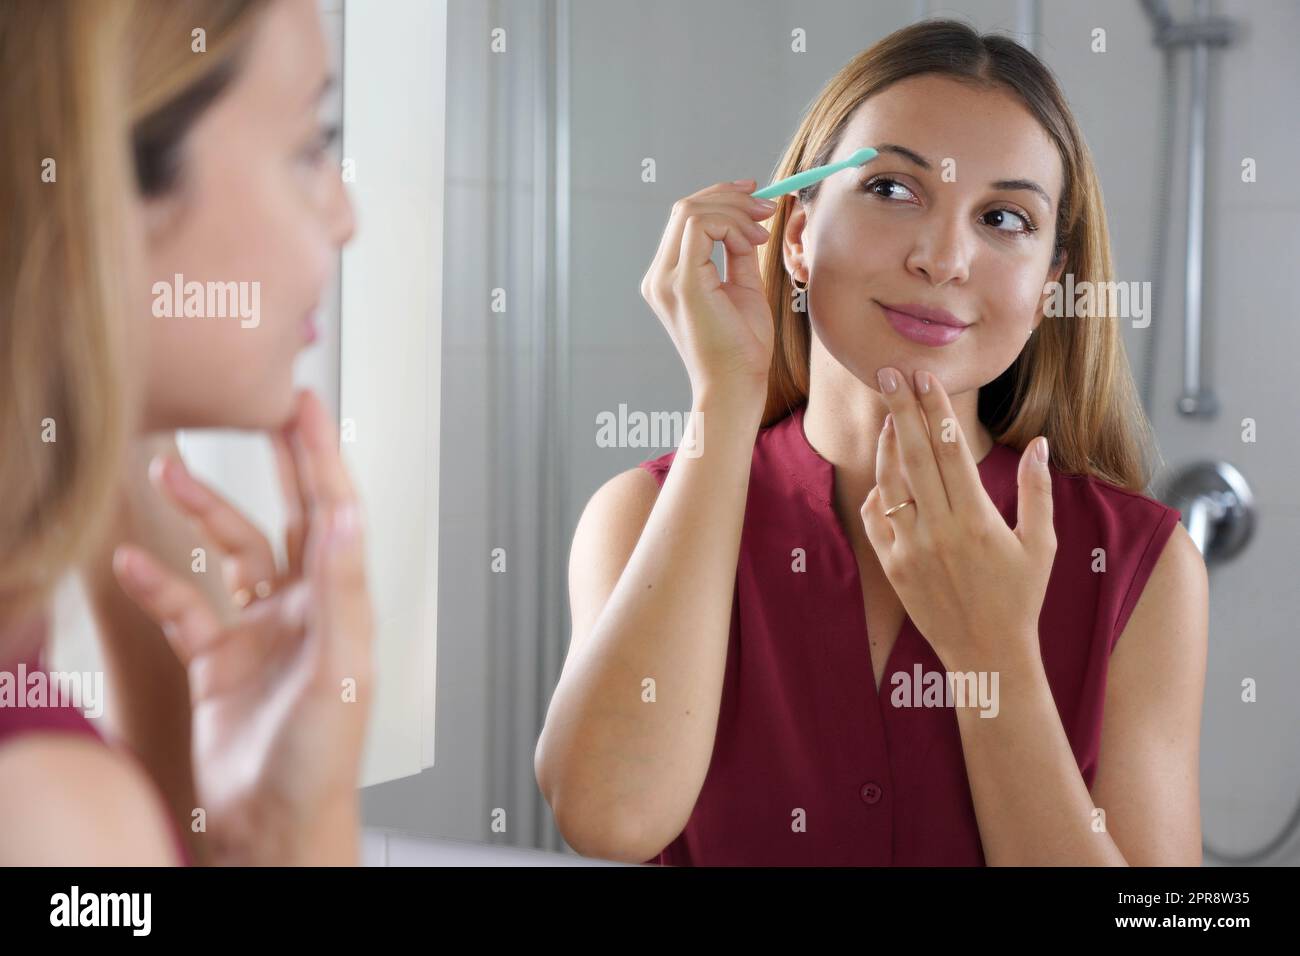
(801, 725)
(67, 719)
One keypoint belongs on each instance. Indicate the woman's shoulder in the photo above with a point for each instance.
(71, 800)
(1095, 499)
(612, 521)
(1120, 534)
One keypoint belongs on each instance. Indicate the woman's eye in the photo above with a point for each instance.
(320, 145)
(998, 218)
(1025, 225)
(884, 181)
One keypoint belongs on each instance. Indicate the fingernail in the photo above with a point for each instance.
(889, 422)
(1041, 451)
(764, 204)
(922, 381)
(887, 380)
(742, 182)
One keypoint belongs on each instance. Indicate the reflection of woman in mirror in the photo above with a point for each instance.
(770, 636)
(135, 151)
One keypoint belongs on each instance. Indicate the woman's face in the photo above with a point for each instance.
(257, 218)
(953, 236)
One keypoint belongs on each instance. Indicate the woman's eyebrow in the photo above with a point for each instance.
(1011, 184)
(1028, 184)
(906, 153)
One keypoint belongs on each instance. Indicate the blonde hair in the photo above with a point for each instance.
(1072, 381)
(96, 101)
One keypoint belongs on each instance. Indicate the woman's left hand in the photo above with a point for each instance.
(973, 586)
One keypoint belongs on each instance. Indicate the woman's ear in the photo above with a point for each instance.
(792, 249)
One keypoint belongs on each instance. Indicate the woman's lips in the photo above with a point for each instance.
(920, 331)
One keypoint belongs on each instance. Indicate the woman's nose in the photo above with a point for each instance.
(942, 253)
(343, 223)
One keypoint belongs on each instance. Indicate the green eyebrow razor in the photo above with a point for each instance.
(810, 176)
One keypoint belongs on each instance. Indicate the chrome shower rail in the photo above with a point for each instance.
(1200, 33)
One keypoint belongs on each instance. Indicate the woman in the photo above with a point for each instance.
(151, 143)
(769, 633)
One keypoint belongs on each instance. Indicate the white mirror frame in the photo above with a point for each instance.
(394, 99)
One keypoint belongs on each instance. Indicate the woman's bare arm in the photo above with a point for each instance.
(651, 578)
(629, 733)
(1148, 767)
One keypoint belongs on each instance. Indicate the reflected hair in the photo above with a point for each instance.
(97, 99)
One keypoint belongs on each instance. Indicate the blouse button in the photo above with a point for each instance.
(870, 793)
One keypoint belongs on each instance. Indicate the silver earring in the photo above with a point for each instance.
(795, 282)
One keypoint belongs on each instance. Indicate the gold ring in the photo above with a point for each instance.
(242, 597)
(909, 501)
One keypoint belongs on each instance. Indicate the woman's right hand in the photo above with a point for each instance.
(281, 697)
(722, 330)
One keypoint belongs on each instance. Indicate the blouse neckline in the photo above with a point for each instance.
(817, 475)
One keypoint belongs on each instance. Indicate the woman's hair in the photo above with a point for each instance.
(97, 99)
(1072, 381)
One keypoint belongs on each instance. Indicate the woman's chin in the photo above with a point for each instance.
(277, 410)
(271, 410)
